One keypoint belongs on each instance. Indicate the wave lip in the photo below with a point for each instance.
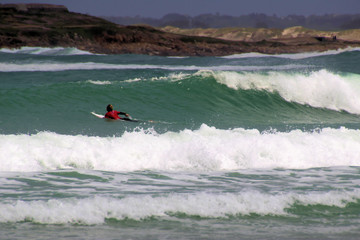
(319, 89)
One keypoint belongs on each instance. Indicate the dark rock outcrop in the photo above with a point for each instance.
(53, 26)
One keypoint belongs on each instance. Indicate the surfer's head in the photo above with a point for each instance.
(109, 108)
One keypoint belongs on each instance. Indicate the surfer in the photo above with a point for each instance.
(112, 114)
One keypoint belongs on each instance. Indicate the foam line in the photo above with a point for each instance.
(96, 210)
(204, 150)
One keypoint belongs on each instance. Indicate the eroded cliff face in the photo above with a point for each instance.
(47, 26)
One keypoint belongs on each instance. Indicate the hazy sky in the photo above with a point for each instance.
(158, 8)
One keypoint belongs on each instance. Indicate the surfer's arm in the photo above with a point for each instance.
(123, 113)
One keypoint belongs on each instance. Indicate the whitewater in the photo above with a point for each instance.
(245, 146)
(204, 150)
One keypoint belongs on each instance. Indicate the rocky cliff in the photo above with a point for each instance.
(53, 25)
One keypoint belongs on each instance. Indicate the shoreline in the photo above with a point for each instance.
(57, 27)
(75, 51)
(219, 50)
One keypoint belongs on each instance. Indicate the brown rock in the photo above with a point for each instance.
(53, 26)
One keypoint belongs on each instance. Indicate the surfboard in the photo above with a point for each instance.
(124, 119)
(97, 115)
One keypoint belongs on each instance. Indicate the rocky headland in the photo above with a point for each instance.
(45, 25)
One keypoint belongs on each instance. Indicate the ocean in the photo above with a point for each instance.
(248, 146)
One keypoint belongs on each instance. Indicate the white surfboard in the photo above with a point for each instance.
(97, 115)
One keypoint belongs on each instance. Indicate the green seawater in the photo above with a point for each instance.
(239, 147)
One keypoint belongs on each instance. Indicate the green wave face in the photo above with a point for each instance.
(57, 91)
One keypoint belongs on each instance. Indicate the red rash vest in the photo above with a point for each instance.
(114, 114)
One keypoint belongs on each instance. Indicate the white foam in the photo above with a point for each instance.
(204, 150)
(98, 82)
(294, 55)
(54, 66)
(59, 66)
(46, 51)
(75, 51)
(321, 89)
(133, 80)
(96, 210)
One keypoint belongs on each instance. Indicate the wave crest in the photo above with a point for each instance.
(320, 89)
